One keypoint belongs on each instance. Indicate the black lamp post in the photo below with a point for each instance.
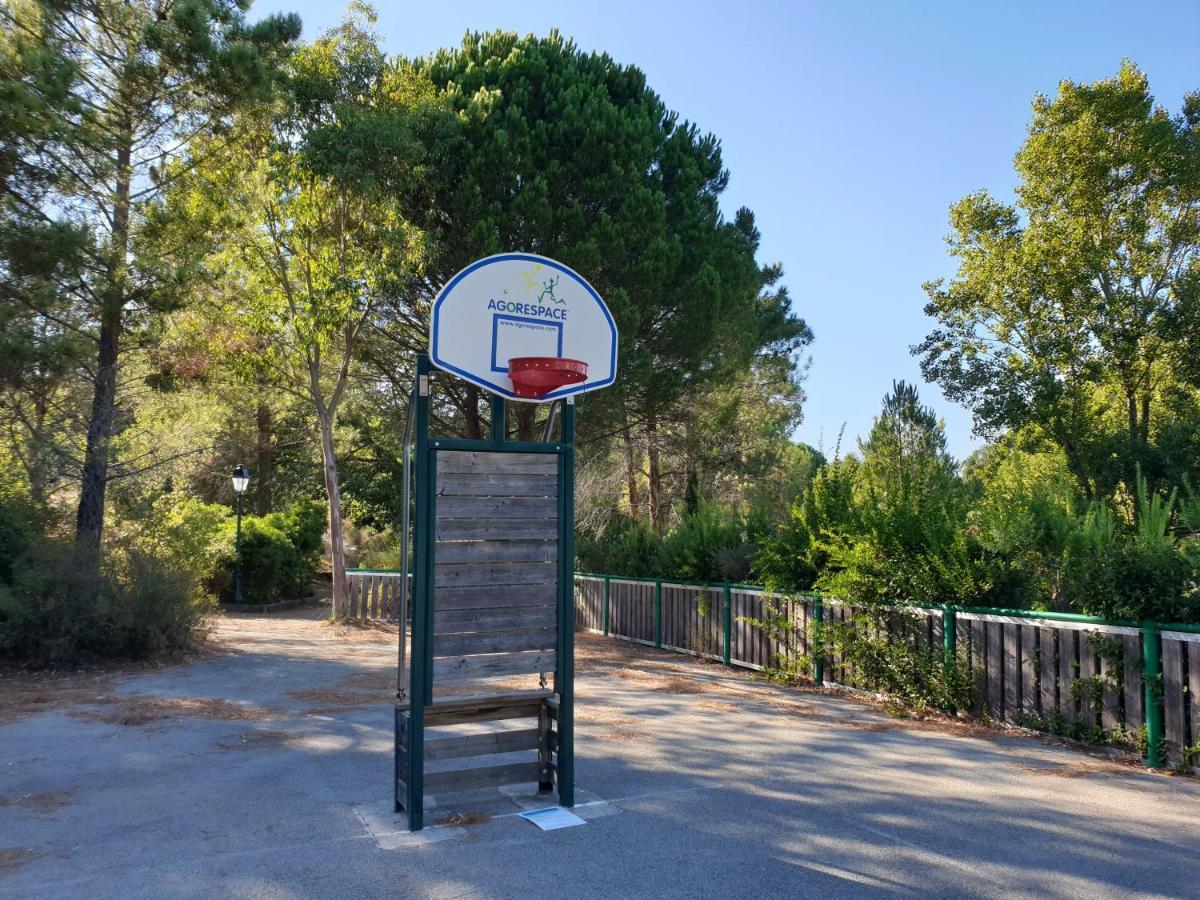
(241, 480)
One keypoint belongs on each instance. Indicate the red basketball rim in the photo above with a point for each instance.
(536, 376)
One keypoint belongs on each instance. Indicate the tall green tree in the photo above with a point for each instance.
(311, 242)
(572, 155)
(123, 87)
(1077, 308)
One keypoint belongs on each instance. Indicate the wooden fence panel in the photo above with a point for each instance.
(1193, 688)
(1068, 658)
(1131, 678)
(1174, 713)
(1110, 690)
(1088, 670)
(1019, 667)
(1047, 671)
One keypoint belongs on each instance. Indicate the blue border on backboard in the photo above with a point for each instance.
(497, 317)
(498, 389)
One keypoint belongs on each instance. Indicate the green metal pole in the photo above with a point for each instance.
(818, 656)
(415, 762)
(499, 423)
(606, 591)
(1152, 686)
(726, 623)
(658, 613)
(564, 678)
(949, 641)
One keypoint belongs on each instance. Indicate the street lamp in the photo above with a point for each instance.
(241, 480)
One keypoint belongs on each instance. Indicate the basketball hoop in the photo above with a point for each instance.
(536, 376)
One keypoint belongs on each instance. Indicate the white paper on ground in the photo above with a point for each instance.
(552, 817)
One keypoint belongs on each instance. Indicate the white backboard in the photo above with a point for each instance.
(520, 304)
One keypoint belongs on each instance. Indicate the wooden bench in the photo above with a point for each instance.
(460, 762)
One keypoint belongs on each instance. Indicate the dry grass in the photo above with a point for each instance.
(255, 739)
(623, 735)
(678, 685)
(717, 706)
(136, 711)
(464, 818)
(14, 857)
(1077, 769)
(377, 680)
(45, 802)
(332, 700)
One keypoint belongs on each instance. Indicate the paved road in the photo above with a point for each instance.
(264, 771)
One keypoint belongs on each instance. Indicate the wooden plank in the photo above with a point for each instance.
(497, 508)
(1029, 669)
(978, 664)
(1068, 655)
(496, 484)
(1131, 679)
(1174, 723)
(1110, 696)
(1193, 655)
(1047, 695)
(455, 552)
(1012, 670)
(545, 529)
(455, 780)
(495, 595)
(995, 670)
(481, 701)
(455, 621)
(493, 574)
(471, 461)
(434, 716)
(491, 665)
(458, 746)
(469, 643)
(1089, 668)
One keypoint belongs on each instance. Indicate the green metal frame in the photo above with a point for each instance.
(409, 766)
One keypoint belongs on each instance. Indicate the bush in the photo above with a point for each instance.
(272, 568)
(18, 529)
(708, 545)
(280, 551)
(56, 613)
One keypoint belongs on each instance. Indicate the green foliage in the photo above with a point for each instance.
(56, 614)
(709, 545)
(889, 654)
(1075, 310)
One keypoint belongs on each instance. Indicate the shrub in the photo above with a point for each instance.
(56, 613)
(18, 529)
(272, 568)
(708, 545)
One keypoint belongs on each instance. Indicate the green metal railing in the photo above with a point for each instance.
(1150, 633)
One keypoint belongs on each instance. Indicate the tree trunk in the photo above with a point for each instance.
(89, 520)
(264, 459)
(471, 413)
(631, 475)
(524, 416)
(337, 543)
(657, 513)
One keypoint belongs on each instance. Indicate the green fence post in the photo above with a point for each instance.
(606, 587)
(658, 613)
(1152, 686)
(949, 642)
(727, 623)
(818, 657)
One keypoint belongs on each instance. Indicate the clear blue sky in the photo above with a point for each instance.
(849, 128)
